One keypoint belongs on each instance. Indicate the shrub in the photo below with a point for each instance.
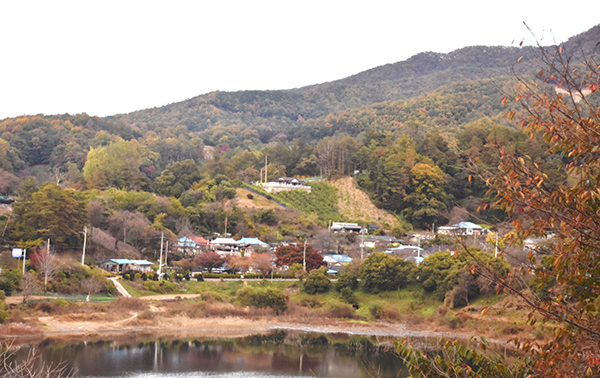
(199, 277)
(6, 286)
(144, 276)
(244, 295)
(317, 281)
(340, 310)
(250, 196)
(376, 310)
(133, 304)
(453, 321)
(348, 296)
(269, 297)
(347, 278)
(266, 216)
(161, 287)
(137, 276)
(126, 276)
(212, 297)
(146, 315)
(4, 313)
(229, 193)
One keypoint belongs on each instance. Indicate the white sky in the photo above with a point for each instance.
(110, 57)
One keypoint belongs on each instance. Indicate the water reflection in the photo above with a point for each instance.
(275, 355)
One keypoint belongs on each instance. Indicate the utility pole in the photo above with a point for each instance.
(84, 243)
(418, 249)
(161, 253)
(362, 244)
(48, 246)
(166, 251)
(496, 250)
(266, 177)
(24, 257)
(225, 226)
(304, 256)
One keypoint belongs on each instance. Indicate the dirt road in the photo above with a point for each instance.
(120, 287)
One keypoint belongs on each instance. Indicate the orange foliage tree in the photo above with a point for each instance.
(562, 105)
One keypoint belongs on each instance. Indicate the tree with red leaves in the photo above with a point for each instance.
(210, 260)
(294, 253)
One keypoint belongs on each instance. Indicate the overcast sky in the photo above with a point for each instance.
(110, 57)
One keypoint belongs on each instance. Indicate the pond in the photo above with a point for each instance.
(278, 354)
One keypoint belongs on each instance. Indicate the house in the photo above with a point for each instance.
(448, 230)
(372, 241)
(346, 227)
(285, 183)
(337, 259)
(191, 245)
(408, 253)
(226, 246)
(185, 245)
(6, 200)
(119, 265)
(334, 270)
(253, 242)
(468, 228)
(201, 243)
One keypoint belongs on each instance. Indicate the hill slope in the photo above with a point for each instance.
(356, 205)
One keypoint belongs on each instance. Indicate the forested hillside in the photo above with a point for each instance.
(408, 132)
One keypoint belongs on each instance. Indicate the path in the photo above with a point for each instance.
(120, 287)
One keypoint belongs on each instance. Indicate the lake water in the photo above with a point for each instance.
(277, 355)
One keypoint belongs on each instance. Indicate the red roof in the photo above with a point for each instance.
(200, 240)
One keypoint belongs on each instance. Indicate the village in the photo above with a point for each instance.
(194, 247)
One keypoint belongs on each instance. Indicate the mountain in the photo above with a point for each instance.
(283, 109)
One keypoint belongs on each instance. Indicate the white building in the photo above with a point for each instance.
(285, 183)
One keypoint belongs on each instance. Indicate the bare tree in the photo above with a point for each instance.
(29, 286)
(261, 262)
(31, 366)
(49, 265)
(91, 286)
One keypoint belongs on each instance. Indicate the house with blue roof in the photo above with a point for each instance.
(119, 265)
(336, 261)
(469, 228)
(462, 228)
(253, 242)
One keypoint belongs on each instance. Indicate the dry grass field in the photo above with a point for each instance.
(356, 205)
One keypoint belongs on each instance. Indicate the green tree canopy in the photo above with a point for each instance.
(382, 272)
(51, 212)
(177, 178)
(115, 166)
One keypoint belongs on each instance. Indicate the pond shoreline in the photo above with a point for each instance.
(229, 327)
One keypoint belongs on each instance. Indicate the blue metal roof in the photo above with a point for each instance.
(468, 225)
(128, 261)
(118, 261)
(185, 242)
(252, 241)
